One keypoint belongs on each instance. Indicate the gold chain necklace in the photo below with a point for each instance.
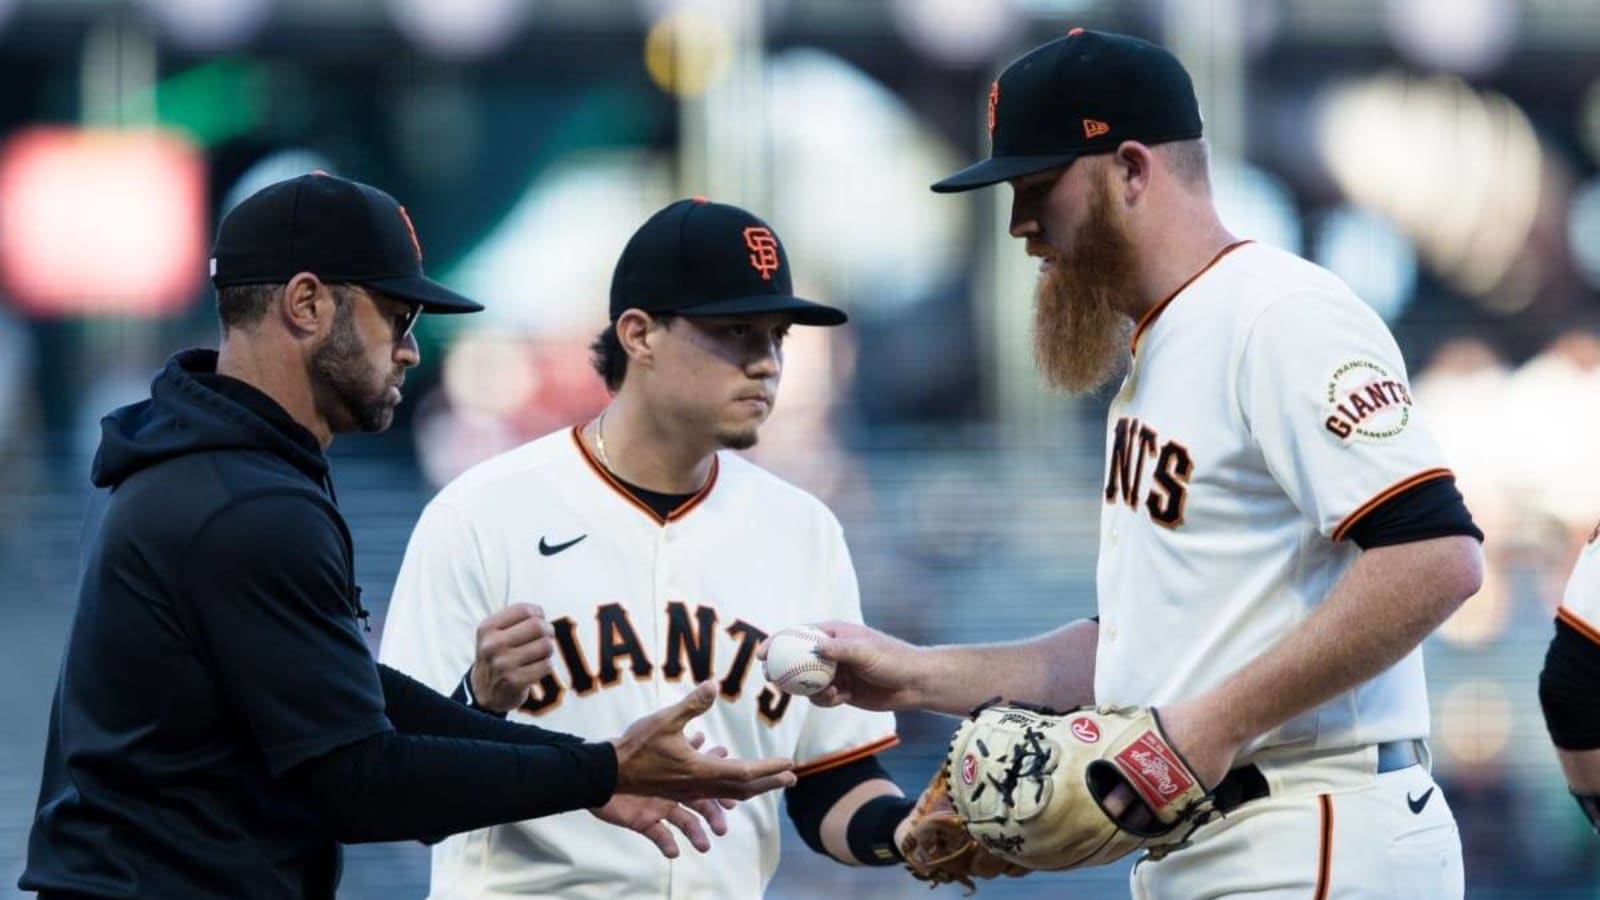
(600, 440)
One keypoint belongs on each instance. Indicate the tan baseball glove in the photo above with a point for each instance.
(937, 847)
(1030, 784)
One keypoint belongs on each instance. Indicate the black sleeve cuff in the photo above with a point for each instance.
(463, 695)
(1432, 509)
(599, 772)
(1569, 690)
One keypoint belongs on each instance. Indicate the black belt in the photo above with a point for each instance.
(1246, 783)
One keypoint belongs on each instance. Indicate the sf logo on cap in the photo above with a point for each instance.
(763, 250)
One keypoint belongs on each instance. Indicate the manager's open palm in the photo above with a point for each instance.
(654, 758)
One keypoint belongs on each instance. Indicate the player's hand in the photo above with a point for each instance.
(655, 759)
(650, 816)
(515, 649)
(875, 670)
(1198, 736)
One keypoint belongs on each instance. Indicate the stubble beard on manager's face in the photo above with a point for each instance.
(341, 367)
(1080, 339)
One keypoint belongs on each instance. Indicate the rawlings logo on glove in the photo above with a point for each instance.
(1031, 784)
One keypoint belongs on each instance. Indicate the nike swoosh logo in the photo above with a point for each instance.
(1417, 804)
(547, 549)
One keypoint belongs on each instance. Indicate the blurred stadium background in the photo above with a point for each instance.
(1441, 155)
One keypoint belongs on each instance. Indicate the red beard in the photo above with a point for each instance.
(1080, 339)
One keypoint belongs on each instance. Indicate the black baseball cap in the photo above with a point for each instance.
(338, 230)
(698, 258)
(1079, 95)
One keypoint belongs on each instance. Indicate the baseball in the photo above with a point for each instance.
(792, 663)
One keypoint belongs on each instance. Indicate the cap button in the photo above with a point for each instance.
(698, 198)
(1075, 32)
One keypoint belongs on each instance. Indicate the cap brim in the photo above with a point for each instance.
(805, 312)
(431, 295)
(996, 169)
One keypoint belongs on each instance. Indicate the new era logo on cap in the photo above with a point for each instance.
(1093, 128)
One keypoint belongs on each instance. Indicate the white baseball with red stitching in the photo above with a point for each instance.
(792, 663)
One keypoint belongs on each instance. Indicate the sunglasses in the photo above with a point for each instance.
(401, 323)
(405, 321)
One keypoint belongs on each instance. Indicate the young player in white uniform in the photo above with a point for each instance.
(1278, 532)
(656, 561)
(1569, 684)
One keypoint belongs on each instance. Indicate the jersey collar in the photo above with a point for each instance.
(1149, 318)
(622, 491)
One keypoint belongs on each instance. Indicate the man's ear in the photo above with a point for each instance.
(307, 305)
(1133, 163)
(637, 333)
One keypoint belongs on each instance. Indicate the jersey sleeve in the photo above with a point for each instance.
(1323, 390)
(440, 597)
(834, 736)
(268, 587)
(1580, 602)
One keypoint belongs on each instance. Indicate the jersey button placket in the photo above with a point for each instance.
(661, 591)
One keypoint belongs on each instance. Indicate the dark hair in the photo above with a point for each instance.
(245, 305)
(608, 358)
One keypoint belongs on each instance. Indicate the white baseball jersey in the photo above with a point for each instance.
(643, 609)
(1580, 605)
(1266, 411)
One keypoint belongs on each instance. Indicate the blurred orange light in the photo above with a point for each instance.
(687, 52)
(101, 221)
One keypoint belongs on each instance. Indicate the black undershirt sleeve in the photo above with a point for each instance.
(395, 787)
(870, 832)
(1432, 509)
(415, 708)
(1569, 690)
(463, 695)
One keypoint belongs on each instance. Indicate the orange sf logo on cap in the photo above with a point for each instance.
(763, 250)
(411, 229)
(994, 105)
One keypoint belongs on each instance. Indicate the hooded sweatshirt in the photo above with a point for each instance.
(219, 723)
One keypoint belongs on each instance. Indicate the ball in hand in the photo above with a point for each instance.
(792, 662)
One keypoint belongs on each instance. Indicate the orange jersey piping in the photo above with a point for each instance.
(1387, 493)
(1578, 624)
(1149, 318)
(622, 490)
(835, 760)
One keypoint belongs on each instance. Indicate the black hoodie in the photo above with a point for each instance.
(219, 721)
